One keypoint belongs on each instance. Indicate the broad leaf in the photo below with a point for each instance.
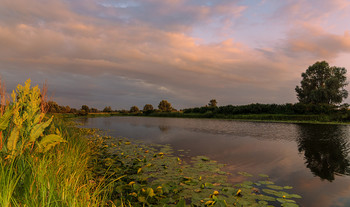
(49, 141)
(5, 119)
(12, 140)
(38, 130)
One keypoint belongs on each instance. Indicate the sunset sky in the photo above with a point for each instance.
(121, 53)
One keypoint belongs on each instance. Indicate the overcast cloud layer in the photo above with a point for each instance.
(133, 52)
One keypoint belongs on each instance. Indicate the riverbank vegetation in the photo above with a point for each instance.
(43, 162)
(46, 161)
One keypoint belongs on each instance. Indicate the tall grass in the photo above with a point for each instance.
(57, 175)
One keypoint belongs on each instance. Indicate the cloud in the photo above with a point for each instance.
(133, 52)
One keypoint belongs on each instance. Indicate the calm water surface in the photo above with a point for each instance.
(312, 158)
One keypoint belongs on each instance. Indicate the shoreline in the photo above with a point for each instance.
(244, 117)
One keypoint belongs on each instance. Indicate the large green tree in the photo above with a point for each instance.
(322, 84)
(165, 106)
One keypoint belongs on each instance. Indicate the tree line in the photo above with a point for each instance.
(163, 106)
(321, 90)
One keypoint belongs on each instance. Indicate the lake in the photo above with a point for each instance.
(314, 159)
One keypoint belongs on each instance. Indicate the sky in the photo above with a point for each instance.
(121, 53)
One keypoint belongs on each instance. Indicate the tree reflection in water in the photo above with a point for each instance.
(326, 149)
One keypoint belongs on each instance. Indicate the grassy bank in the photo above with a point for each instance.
(44, 161)
(47, 161)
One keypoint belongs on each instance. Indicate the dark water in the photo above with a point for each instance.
(312, 158)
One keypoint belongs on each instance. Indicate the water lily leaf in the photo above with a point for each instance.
(266, 182)
(283, 200)
(245, 174)
(150, 192)
(221, 203)
(275, 187)
(208, 185)
(288, 187)
(181, 203)
(289, 205)
(142, 199)
(263, 175)
(295, 196)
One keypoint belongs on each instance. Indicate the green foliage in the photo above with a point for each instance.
(27, 121)
(213, 103)
(322, 84)
(53, 107)
(134, 109)
(34, 169)
(148, 108)
(107, 109)
(155, 177)
(85, 108)
(165, 106)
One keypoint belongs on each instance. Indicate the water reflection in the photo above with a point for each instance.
(292, 154)
(164, 128)
(325, 149)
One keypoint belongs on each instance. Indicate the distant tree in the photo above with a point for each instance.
(165, 106)
(94, 110)
(107, 109)
(67, 109)
(53, 107)
(134, 109)
(148, 107)
(322, 84)
(213, 103)
(82, 112)
(85, 108)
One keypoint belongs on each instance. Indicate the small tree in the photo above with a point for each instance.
(94, 110)
(213, 103)
(107, 109)
(165, 106)
(322, 84)
(134, 109)
(85, 108)
(148, 108)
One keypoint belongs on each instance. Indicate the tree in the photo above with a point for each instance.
(85, 108)
(94, 110)
(107, 109)
(53, 107)
(165, 106)
(134, 109)
(322, 84)
(213, 103)
(147, 108)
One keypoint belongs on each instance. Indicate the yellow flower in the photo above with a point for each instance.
(216, 192)
(131, 183)
(238, 192)
(209, 203)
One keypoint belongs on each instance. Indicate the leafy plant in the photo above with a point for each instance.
(23, 124)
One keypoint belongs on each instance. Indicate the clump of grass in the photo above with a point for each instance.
(43, 161)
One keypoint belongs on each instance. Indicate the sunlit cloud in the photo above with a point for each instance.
(138, 52)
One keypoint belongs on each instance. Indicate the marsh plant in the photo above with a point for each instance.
(42, 161)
